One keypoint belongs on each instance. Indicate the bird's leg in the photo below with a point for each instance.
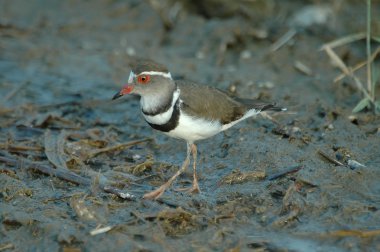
(159, 191)
(195, 187)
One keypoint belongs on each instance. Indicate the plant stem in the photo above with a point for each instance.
(370, 85)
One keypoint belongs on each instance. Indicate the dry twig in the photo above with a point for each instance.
(290, 170)
(330, 159)
(66, 175)
(115, 147)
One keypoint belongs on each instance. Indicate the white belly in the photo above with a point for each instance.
(193, 129)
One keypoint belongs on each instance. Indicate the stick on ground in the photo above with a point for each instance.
(66, 175)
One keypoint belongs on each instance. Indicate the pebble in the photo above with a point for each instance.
(353, 164)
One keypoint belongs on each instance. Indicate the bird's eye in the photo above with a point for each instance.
(143, 79)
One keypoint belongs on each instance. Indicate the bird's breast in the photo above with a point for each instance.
(192, 129)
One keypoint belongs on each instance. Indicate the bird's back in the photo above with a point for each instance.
(213, 104)
(209, 103)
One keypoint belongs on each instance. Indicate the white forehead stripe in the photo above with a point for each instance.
(131, 77)
(163, 74)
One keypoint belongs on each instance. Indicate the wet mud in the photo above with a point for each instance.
(74, 164)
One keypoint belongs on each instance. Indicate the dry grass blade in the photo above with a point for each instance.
(13, 148)
(345, 40)
(358, 66)
(121, 146)
(54, 149)
(353, 69)
(338, 61)
(283, 40)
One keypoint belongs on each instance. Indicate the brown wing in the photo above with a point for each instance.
(209, 103)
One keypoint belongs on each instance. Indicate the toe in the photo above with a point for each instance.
(153, 195)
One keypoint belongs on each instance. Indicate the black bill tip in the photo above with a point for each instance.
(117, 95)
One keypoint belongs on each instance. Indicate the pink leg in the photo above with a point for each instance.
(159, 191)
(195, 187)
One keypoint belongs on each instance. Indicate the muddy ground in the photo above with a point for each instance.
(265, 183)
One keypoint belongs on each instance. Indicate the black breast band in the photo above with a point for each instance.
(172, 123)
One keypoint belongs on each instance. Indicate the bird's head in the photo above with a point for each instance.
(148, 79)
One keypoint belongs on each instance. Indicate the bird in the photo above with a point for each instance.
(185, 110)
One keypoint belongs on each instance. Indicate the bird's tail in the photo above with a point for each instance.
(272, 107)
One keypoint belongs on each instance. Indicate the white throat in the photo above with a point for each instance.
(147, 103)
(150, 102)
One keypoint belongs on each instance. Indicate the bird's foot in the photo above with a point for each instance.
(155, 194)
(193, 189)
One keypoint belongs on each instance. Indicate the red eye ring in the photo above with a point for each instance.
(143, 79)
